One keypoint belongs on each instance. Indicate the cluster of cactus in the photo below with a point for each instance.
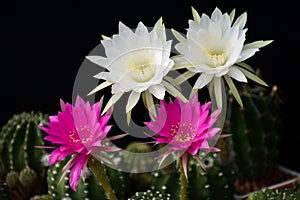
(255, 130)
(20, 161)
(216, 183)
(292, 193)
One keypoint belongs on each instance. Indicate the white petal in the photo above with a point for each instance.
(158, 91)
(114, 98)
(159, 28)
(218, 91)
(203, 80)
(124, 28)
(216, 15)
(116, 88)
(241, 20)
(99, 60)
(257, 44)
(132, 100)
(100, 87)
(141, 30)
(196, 15)
(193, 25)
(178, 36)
(101, 75)
(245, 54)
(237, 74)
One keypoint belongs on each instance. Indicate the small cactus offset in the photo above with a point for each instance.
(216, 183)
(20, 160)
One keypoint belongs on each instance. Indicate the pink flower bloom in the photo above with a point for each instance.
(79, 131)
(186, 127)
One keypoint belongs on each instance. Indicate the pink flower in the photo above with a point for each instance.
(79, 131)
(186, 127)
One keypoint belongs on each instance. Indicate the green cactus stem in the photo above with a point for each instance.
(255, 130)
(99, 171)
(183, 183)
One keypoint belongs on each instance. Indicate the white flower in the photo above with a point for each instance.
(214, 47)
(136, 62)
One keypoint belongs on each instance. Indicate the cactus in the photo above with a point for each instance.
(255, 133)
(292, 193)
(89, 189)
(20, 161)
(216, 183)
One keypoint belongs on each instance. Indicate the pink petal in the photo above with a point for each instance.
(104, 120)
(216, 113)
(205, 145)
(96, 108)
(53, 118)
(192, 151)
(214, 149)
(206, 107)
(186, 113)
(62, 105)
(75, 172)
(184, 164)
(203, 118)
(57, 156)
(212, 132)
(194, 98)
(173, 114)
(162, 140)
(79, 101)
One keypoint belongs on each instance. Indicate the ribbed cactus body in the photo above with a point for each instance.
(255, 131)
(216, 183)
(20, 160)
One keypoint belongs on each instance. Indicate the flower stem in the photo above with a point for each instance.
(99, 171)
(183, 183)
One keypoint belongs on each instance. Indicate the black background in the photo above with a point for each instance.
(44, 43)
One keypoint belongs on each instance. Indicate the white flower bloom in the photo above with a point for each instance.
(137, 61)
(214, 47)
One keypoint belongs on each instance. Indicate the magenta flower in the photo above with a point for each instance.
(186, 127)
(79, 131)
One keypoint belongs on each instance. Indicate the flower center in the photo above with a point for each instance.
(140, 64)
(141, 72)
(183, 132)
(217, 59)
(86, 134)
